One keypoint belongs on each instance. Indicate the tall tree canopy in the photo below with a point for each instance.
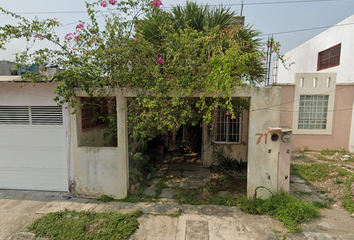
(173, 54)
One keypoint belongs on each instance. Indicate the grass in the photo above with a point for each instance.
(312, 172)
(105, 198)
(332, 152)
(288, 209)
(86, 225)
(348, 199)
(320, 204)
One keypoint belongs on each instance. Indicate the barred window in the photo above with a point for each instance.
(313, 112)
(329, 58)
(226, 129)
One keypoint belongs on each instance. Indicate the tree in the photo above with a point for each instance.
(189, 58)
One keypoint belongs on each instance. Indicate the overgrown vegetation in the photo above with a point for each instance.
(86, 225)
(288, 209)
(312, 172)
(348, 199)
(332, 152)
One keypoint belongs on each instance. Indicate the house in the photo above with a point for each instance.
(318, 90)
(51, 148)
(34, 137)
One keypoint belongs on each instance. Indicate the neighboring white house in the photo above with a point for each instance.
(318, 89)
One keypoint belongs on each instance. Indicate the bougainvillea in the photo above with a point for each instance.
(190, 62)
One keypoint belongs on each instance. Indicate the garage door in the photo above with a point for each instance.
(32, 150)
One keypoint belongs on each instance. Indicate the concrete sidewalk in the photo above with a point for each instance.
(18, 209)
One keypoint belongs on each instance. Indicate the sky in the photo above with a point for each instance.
(268, 16)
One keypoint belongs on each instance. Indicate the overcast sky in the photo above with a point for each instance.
(268, 16)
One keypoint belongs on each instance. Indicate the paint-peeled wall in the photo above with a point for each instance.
(101, 170)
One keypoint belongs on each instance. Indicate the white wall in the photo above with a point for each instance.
(305, 56)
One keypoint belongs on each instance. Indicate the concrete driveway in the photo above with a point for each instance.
(18, 209)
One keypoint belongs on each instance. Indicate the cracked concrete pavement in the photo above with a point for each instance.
(18, 209)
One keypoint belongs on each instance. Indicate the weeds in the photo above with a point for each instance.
(105, 198)
(332, 152)
(288, 209)
(348, 199)
(319, 204)
(83, 225)
(312, 172)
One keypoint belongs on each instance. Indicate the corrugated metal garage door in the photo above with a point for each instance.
(32, 149)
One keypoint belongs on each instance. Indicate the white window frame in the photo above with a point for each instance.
(222, 118)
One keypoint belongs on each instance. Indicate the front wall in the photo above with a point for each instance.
(341, 124)
(339, 138)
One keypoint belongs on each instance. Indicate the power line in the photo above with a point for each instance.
(212, 5)
(305, 29)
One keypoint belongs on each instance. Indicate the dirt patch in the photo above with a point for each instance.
(231, 184)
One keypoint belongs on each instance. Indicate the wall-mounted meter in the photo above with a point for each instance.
(286, 137)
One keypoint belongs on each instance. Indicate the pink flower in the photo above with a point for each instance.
(216, 89)
(104, 4)
(268, 45)
(80, 25)
(248, 44)
(156, 3)
(227, 113)
(131, 83)
(83, 53)
(112, 2)
(264, 59)
(77, 38)
(233, 117)
(68, 36)
(167, 79)
(160, 60)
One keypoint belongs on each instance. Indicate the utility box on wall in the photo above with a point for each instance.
(284, 136)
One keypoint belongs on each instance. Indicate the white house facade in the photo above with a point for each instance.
(34, 137)
(318, 89)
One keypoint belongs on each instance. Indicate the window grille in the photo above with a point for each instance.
(226, 129)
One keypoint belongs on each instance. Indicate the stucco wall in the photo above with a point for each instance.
(39, 94)
(97, 172)
(101, 170)
(237, 151)
(305, 56)
(341, 123)
(286, 105)
(263, 153)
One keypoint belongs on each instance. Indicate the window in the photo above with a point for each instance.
(313, 112)
(329, 58)
(43, 115)
(226, 129)
(94, 111)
